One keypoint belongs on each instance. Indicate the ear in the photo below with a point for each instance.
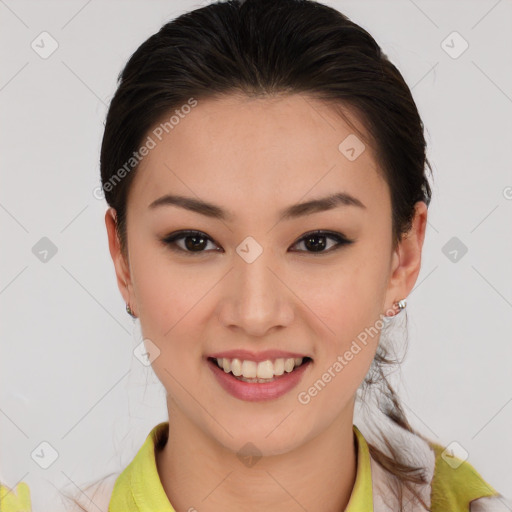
(121, 266)
(406, 260)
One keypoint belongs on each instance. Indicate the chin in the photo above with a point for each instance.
(258, 442)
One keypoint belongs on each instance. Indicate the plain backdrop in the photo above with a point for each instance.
(68, 376)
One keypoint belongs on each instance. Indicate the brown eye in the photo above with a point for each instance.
(193, 241)
(317, 241)
(196, 242)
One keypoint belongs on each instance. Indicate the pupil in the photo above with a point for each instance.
(316, 247)
(196, 245)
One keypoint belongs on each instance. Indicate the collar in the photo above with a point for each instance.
(138, 487)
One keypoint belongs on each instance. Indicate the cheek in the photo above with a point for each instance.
(349, 300)
(167, 301)
(349, 303)
(347, 297)
(165, 292)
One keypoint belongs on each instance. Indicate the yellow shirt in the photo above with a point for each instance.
(15, 500)
(138, 488)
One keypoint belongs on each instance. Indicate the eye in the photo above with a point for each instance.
(196, 242)
(316, 241)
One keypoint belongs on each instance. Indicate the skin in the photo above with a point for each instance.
(255, 157)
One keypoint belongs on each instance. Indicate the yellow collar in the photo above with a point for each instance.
(138, 487)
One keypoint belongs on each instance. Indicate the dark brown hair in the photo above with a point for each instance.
(265, 48)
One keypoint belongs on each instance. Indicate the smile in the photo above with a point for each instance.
(252, 381)
(264, 370)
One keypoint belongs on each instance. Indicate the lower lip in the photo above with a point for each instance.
(256, 391)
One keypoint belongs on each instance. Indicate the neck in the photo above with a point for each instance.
(198, 473)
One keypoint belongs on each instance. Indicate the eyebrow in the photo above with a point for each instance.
(291, 212)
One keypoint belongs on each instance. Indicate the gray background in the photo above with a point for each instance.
(67, 372)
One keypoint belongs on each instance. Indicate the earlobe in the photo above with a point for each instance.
(407, 257)
(120, 264)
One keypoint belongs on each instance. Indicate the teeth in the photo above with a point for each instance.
(289, 364)
(236, 367)
(279, 367)
(249, 369)
(263, 370)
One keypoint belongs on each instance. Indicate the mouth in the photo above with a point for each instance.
(259, 372)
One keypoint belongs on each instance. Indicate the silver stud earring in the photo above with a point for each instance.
(400, 305)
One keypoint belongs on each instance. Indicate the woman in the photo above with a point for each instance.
(264, 164)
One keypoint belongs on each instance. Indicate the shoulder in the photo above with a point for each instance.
(457, 484)
(449, 483)
(115, 490)
(16, 499)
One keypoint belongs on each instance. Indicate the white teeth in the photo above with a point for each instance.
(289, 364)
(265, 370)
(279, 367)
(236, 367)
(249, 369)
(262, 370)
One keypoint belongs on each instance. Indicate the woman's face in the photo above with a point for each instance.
(251, 281)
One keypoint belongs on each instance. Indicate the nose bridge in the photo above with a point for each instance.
(258, 298)
(256, 277)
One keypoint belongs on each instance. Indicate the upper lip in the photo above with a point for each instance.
(256, 356)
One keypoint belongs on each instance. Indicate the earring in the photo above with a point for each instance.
(129, 311)
(401, 304)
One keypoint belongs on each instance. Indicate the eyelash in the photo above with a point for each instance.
(171, 239)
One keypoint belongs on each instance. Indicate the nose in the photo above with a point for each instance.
(256, 298)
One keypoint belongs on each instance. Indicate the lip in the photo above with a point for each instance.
(255, 391)
(256, 356)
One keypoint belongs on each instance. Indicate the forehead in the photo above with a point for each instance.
(254, 153)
